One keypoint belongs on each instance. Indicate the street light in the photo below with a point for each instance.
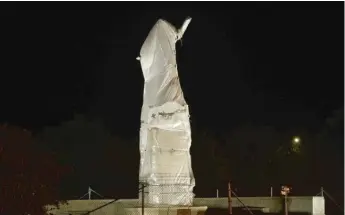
(296, 139)
(296, 144)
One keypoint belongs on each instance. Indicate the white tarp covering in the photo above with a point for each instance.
(165, 135)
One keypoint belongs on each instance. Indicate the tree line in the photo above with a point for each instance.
(60, 163)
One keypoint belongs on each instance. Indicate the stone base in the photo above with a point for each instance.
(200, 210)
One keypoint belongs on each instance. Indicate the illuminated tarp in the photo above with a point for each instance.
(165, 136)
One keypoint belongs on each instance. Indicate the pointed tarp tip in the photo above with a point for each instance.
(184, 27)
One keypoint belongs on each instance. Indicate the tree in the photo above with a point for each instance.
(261, 156)
(94, 153)
(252, 155)
(329, 155)
(29, 177)
(209, 163)
(121, 162)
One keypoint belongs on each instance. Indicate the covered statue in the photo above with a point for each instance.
(165, 134)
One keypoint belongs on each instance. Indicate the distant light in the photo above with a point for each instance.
(296, 139)
(296, 145)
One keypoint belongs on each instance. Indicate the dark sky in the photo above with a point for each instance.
(279, 63)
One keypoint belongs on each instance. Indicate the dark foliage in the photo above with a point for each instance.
(29, 177)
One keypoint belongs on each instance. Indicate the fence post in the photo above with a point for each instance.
(271, 191)
(286, 205)
(142, 199)
(229, 198)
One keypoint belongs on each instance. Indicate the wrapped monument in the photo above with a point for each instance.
(165, 135)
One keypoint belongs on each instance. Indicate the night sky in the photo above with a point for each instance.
(277, 64)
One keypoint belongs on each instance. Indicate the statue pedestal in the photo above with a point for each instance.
(200, 210)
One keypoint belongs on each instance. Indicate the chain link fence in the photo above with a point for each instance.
(166, 195)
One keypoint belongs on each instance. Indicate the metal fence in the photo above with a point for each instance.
(166, 195)
(166, 199)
